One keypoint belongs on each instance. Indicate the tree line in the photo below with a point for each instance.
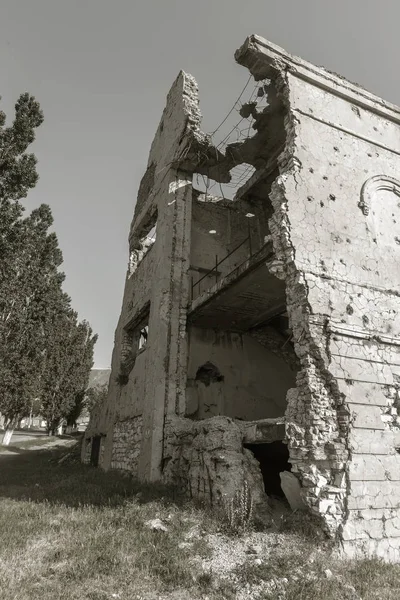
(46, 353)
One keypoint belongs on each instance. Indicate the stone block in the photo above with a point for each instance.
(371, 441)
(358, 392)
(366, 417)
(356, 529)
(361, 370)
(386, 549)
(374, 494)
(292, 490)
(375, 468)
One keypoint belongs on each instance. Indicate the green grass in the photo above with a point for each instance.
(70, 532)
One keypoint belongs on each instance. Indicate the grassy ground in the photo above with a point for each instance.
(71, 532)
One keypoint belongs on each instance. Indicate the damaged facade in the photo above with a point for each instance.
(260, 333)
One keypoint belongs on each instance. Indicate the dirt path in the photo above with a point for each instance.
(24, 440)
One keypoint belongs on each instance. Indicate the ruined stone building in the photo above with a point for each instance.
(259, 331)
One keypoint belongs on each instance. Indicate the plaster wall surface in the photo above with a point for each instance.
(254, 380)
(161, 282)
(219, 229)
(326, 155)
(346, 329)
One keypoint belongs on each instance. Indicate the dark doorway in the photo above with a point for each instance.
(273, 459)
(95, 452)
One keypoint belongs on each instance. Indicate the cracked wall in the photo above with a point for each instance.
(254, 379)
(338, 247)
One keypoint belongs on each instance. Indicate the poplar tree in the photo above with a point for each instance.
(30, 290)
(44, 351)
(69, 359)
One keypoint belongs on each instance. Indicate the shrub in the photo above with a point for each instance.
(239, 510)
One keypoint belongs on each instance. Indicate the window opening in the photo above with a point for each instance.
(143, 336)
(141, 242)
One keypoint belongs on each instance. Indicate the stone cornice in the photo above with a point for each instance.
(263, 59)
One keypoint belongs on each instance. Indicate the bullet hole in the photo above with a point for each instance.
(375, 129)
(349, 381)
(349, 309)
(397, 240)
(336, 149)
(322, 204)
(369, 154)
(374, 240)
(377, 153)
(325, 177)
(323, 266)
(208, 373)
(365, 320)
(348, 240)
(356, 110)
(311, 170)
(336, 238)
(332, 197)
(310, 198)
(310, 110)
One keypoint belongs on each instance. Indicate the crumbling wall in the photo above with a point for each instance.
(206, 460)
(152, 381)
(349, 271)
(252, 382)
(338, 250)
(220, 228)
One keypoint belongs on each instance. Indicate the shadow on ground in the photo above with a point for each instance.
(38, 476)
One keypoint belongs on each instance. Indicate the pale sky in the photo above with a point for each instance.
(101, 70)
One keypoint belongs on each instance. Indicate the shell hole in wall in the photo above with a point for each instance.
(142, 242)
(273, 459)
(208, 373)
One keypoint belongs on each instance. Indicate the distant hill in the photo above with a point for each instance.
(99, 377)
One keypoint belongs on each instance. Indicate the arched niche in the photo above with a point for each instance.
(380, 204)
